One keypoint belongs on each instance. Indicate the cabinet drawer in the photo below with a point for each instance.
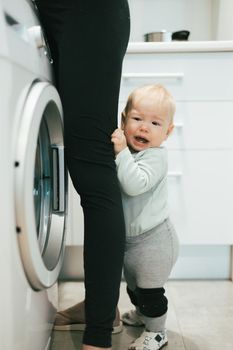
(200, 125)
(200, 195)
(188, 76)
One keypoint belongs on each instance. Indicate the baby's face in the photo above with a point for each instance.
(145, 126)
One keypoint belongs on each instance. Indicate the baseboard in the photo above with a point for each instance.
(194, 262)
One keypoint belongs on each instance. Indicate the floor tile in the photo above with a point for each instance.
(204, 311)
(200, 316)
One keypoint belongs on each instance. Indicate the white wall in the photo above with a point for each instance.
(224, 22)
(205, 19)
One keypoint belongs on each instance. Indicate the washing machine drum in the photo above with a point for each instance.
(40, 186)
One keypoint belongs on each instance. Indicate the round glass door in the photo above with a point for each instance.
(41, 186)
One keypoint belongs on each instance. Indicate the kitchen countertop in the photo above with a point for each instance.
(180, 46)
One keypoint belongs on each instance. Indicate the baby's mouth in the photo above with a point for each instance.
(141, 139)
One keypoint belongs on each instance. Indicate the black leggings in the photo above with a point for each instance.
(88, 40)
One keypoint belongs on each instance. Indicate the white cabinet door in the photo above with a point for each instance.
(201, 196)
(188, 76)
(202, 125)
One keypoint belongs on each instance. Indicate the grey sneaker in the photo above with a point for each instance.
(132, 318)
(150, 341)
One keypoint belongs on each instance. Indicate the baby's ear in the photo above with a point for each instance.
(170, 129)
(123, 119)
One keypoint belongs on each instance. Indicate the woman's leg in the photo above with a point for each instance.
(90, 48)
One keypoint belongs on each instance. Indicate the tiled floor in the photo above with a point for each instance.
(200, 316)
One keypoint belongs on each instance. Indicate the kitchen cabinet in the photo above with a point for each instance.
(200, 150)
(190, 76)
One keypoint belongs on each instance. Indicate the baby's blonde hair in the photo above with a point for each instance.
(161, 96)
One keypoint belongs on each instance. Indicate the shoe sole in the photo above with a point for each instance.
(164, 345)
(159, 348)
(81, 327)
(132, 324)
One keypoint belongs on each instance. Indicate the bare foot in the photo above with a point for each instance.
(74, 314)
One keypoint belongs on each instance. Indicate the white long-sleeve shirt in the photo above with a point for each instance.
(143, 176)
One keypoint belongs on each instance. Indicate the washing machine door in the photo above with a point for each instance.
(40, 186)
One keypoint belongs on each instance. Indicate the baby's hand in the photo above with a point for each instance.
(118, 140)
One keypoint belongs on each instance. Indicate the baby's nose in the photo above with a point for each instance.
(144, 126)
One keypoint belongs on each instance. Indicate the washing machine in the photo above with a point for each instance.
(33, 182)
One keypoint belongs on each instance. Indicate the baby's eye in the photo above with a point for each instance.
(136, 118)
(156, 123)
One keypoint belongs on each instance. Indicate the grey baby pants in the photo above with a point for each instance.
(149, 259)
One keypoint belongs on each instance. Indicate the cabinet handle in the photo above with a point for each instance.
(178, 125)
(153, 75)
(174, 174)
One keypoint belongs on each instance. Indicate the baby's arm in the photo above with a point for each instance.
(139, 176)
(118, 140)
